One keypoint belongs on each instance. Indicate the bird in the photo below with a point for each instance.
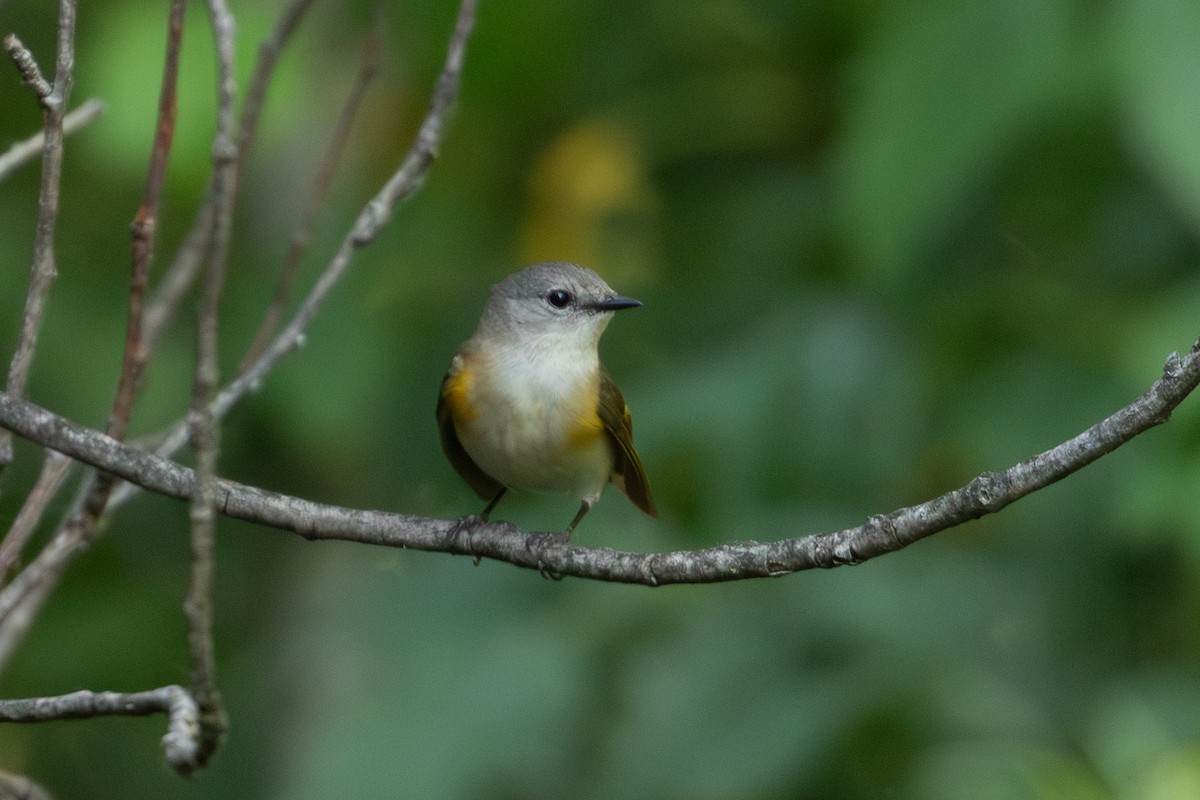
(526, 403)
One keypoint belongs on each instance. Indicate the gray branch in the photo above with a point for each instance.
(22, 152)
(883, 533)
(53, 100)
(181, 741)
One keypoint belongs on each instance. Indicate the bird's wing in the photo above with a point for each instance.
(483, 484)
(628, 473)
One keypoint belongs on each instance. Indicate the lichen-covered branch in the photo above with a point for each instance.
(180, 743)
(883, 533)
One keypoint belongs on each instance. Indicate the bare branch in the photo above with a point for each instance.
(197, 606)
(184, 268)
(19, 787)
(43, 271)
(144, 228)
(420, 157)
(268, 55)
(22, 152)
(55, 468)
(23, 597)
(27, 66)
(180, 743)
(302, 235)
(177, 279)
(880, 534)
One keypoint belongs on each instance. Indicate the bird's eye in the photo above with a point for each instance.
(559, 298)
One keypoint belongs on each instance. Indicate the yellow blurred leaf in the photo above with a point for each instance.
(590, 201)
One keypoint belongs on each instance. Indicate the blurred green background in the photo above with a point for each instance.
(882, 247)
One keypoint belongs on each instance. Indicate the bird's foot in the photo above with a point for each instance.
(536, 543)
(465, 525)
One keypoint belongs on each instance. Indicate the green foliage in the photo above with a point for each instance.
(882, 247)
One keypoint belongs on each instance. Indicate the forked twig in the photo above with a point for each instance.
(53, 100)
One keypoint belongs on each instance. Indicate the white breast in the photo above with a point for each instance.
(529, 402)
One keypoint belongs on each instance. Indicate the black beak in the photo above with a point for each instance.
(615, 303)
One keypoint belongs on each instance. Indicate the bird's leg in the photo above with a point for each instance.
(492, 504)
(584, 507)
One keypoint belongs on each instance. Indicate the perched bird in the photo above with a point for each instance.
(526, 402)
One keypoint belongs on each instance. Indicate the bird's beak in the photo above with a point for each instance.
(615, 303)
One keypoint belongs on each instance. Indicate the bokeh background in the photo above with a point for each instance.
(882, 247)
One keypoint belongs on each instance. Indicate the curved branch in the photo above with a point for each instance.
(503, 541)
(181, 742)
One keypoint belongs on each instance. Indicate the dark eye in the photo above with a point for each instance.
(559, 298)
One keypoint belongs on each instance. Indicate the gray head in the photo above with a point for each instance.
(554, 298)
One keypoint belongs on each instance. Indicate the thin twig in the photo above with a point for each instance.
(24, 596)
(883, 533)
(302, 235)
(202, 426)
(55, 467)
(268, 56)
(26, 64)
(23, 152)
(43, 271)
(181, 742)
(185, 267)
(145, 226)
(178, 278)
(48, 565)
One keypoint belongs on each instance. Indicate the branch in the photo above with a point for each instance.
(26, 64)
(22, 152)
(144, 229)
(181, 741)
(55, 468)
(268, 55)
(302, 234)
(53, 100)
(184, 268)
(197, 605)
(885, 533)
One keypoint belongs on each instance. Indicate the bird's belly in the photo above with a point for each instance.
(543, 444)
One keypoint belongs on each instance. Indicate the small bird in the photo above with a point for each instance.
(526, 402)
